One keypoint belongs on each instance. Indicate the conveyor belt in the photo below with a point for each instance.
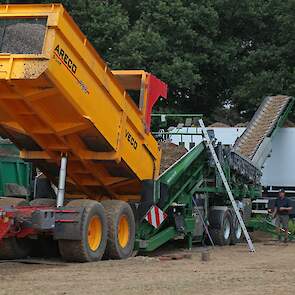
(262, 125)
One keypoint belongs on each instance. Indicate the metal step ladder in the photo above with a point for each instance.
(226, 185)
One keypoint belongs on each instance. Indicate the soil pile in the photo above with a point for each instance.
(289, 123)
(22, 38)
(170, 154)
(5, 152)
(218, 124)
(7, 149)
(238, 125)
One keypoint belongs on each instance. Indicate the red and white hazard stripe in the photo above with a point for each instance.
(155, 216)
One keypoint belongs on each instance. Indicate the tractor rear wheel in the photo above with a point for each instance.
(121, 225)
(93, 231)
(14, 248)
(221, 235)
(236, 234)
(44, 246)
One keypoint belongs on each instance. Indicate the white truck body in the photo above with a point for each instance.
(278, 169)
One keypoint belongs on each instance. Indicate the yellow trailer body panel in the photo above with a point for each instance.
(57, 96)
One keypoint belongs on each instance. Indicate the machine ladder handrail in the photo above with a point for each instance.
(226, 185)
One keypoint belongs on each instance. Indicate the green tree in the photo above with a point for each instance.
(219, 57)
(174, 40)
(259, 37)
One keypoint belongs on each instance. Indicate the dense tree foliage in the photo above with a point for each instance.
(219, 57)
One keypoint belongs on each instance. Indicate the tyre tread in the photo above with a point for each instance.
(75, 250)
(112, 209)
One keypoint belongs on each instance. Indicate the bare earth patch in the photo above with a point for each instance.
(231, 270)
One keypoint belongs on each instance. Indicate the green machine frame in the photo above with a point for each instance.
(194, 173)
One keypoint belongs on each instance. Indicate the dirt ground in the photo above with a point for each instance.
(230, 270)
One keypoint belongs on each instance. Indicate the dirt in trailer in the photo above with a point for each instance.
(170, 154)
(230, 270)
(21, 38)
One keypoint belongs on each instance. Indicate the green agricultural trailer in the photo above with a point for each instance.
(15, 174)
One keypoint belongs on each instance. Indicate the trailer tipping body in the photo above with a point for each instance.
(59, 97)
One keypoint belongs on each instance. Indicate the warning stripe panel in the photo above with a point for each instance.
(155, 216)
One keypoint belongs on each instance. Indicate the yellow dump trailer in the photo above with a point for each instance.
(85, 127)
(58, 97)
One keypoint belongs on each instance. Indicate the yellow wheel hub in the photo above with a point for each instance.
(123, 231)
(94, 233)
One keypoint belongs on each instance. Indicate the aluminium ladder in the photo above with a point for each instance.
(226, 185)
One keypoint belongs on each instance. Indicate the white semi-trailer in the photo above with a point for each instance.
(278, 169)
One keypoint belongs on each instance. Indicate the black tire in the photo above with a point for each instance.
(45, 247)
(14, 248)
(43, 202)
(236, 233)
(115, 210)
(80, 250)
(222, 235)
